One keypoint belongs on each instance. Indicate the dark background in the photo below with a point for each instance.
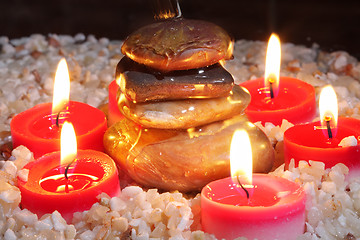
(334, 25)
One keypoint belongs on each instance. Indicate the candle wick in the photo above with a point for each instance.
(67, 169)
(64, 108)
(271, 81)
(327, 120)
(245, 190)
(57, 118)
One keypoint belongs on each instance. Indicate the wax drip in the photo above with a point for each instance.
(245, 190)
(271, 81)
(327, 120)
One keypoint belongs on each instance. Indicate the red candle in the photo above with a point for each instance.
(308, 142)
(114, 114)
(267, 207)
(276, 210)
(69, 186)
(34, 128)
(38, 128)
(48, 190)
(319, 141)
(274, 99)
(295, 102)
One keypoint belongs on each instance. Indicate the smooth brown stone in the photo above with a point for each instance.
(185, 113)
(180, 159)
(140, 83)
(178, 44)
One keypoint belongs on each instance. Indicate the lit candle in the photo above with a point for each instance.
(265, 207)
(320, 140)
(275, 98)
(38, 128)
(88, 173)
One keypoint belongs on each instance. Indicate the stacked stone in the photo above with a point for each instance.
(181, 107)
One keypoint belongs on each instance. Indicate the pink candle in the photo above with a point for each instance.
(276, 210)
(255, 206)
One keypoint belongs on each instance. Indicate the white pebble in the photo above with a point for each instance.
(11, 195)
(10, 168)
(45, 224)
(9, 235)
(340, 62)
(116, 204)
(23, 174)
(87, 235)
(348, 141)
(58, 221)
(329, 187)
(27, 217)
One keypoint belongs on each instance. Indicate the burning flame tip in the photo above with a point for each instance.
(328, 106)
(272, 64)
(61, 93)
(241, 156)
(68, 143)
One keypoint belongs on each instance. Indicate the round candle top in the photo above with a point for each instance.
(272, 196)
(47, 189)
(273, 98)
(35, 128)
(276, 209)
(308, 142)
(295, 101)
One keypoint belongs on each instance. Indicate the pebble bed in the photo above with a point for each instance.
(27, 68)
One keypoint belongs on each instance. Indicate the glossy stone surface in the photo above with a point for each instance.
(178, 44)
(140, 83)
(184, 160)
(183, 114)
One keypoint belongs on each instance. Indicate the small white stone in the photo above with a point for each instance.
(87, 235)
(27, 217)
(9, 235)
(116, 204)
(45, 224)
(23, 174)
(340, 62)
(348, 141)
(10, 168)
(58, 221)
(11, 195)
(329, 187)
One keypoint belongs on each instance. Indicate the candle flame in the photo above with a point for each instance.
(61, 87)
(328, 107)
(68, 143)
(272, 64)
(241, 157)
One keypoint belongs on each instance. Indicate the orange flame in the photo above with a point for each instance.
(241, 157)
(272, 64)
(328, 109)
(68, 143)
(61, 93)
